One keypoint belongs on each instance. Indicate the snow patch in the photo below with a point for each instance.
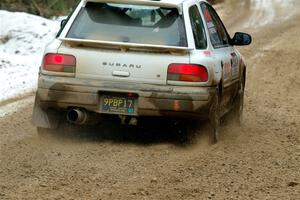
(23, 38)
(13, 107)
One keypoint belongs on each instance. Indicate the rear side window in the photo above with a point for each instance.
(198, 28)
(129, 23)
(217, 32)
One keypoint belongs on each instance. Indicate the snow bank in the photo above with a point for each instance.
(23, 38)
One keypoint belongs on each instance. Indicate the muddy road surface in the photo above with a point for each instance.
(260, 160)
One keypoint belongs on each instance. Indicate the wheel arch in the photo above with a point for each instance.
(244, 74)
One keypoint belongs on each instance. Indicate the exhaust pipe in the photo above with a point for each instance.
(77, 116)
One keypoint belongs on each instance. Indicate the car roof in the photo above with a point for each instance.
(176, 2)
(164, 3)
(169, 2)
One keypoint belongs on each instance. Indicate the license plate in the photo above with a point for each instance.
(118, 105)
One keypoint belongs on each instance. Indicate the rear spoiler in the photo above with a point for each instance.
(140, 2)
(125, 46)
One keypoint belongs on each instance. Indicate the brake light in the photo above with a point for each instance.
(59, 63)
(187, 72)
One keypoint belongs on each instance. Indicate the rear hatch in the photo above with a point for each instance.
(130, 43)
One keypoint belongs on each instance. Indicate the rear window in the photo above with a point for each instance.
(129, 23)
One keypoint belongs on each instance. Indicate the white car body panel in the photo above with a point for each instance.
(141, 70)
(197, 56)
(211, 58)
(106, 64)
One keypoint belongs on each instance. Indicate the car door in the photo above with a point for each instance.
(223, 53)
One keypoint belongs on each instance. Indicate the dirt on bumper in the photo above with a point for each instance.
(152, 100)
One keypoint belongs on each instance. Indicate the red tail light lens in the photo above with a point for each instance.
(187, 72)
(59, 63)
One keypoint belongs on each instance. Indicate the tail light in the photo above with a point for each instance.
(187, 72)
(59, 63)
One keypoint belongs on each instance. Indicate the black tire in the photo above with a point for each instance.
(214, 119)
(188, 131)
(239, 104)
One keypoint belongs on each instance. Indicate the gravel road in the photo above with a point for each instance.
(260, 160)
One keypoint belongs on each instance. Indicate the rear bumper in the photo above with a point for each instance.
(152, 100)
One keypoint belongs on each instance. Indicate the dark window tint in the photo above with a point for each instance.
(129, 23)
(217, 32)
(198, 28)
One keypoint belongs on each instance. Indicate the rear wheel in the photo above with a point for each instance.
(239, 104)
(214, 119)
(187, 131)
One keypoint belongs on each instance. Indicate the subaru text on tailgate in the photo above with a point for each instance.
(135, 58)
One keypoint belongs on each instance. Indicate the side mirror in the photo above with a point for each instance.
(241, 39)
(63, 23)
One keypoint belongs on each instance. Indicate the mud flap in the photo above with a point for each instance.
(45, 118)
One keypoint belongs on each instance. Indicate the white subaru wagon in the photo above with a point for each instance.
(137, 58)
